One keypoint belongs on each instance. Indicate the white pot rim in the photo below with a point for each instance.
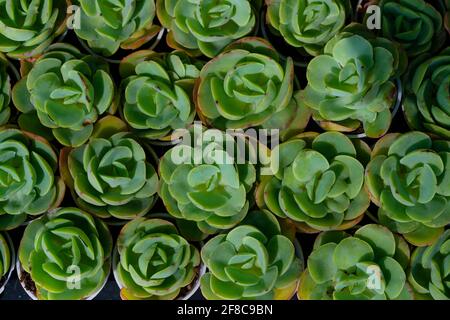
(33, 296)
(13, 259)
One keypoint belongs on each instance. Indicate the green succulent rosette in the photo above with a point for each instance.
(111, 178)
(157, 92)
(5, 258)
(319, 182)
(67, 254)
(206, 26)
(244, 86)
(408, 177)
(415, 24)
(254, 261)
(108, 25)
(370, 265)
(350, 84)
(207, 182)
(307, 24)
(65, 92)
(427, 104)
(28, 27)
(29, 184)
(156, 263)
(5, 91)
(430, 269)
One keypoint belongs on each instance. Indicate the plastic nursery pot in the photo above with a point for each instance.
(29, 287)
(5, 279)
(117, 57)
(359, 132)
(187, 292)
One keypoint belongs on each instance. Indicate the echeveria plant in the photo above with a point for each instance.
(252, 261)
(156, 263)
(416, 24)
(207, 26)
(350, 85)
(5, 91)
(28, 181)
(319, 183)
(307, 24)
(408, 177)
(67, 91)
(111, 177)
(28, 27)
(367, 266)
(5, 258)
(212, 190)
(67, 254)
(244, 86)
(157, 92)
(427, 104)
(108, 25)
(430, 269)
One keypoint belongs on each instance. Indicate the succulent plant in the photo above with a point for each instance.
(350, 85)
(307, 24)
(416, 24)
(28, 181)
(429, 269)
(367, 266)
(244, 86)
(111, 177)
(5, 91)
(427, 105)
(447, 16)
(408, 177)
(28, 27)
(207, 26)
(252, 261)
(157, 92)
(5, 258)
(156, 263)
(210, 190)
(67, 254)
(319, 183)
(67, 91)
(108, 25)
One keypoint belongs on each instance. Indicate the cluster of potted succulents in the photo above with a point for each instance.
(136, 118)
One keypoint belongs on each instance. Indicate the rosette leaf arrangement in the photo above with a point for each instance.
(415, 24)
(67, 91)
(254, 261)
(28, 27)
(206, 26)
(111, 178)
(307, 24)
(157, 92)
(29, 185)
(108, 25)
(429, 270)
(156, 263)
(319, 183)
(427, 105)
(67, 254)
(210, 191)
(349, 85)
(5, 257)
(245, 86)
(370, 265)
(5, 91)
(409, 179)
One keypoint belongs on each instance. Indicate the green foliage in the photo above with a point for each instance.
(67, 254)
